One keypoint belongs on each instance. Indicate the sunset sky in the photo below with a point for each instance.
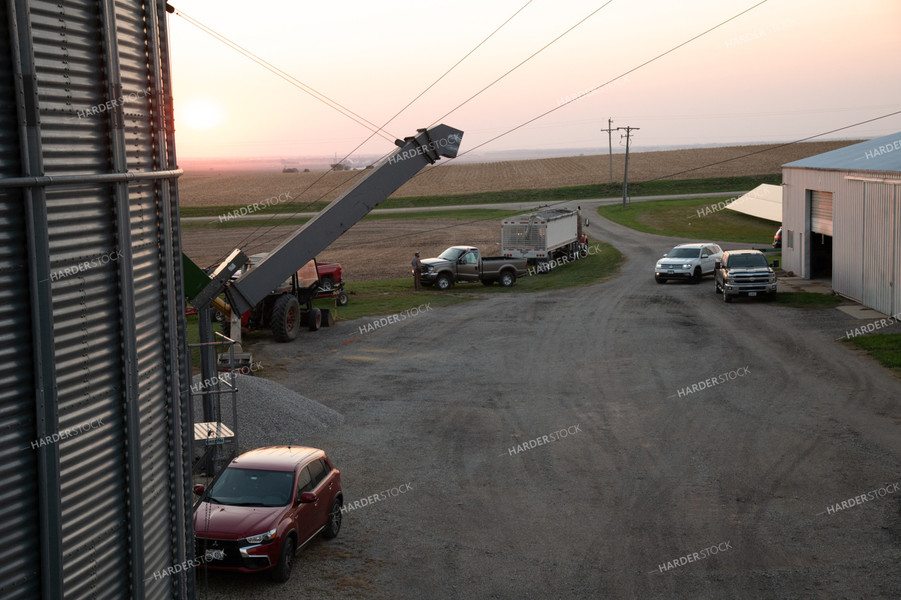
(787, 69)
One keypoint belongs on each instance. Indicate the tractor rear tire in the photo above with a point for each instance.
(286, 318)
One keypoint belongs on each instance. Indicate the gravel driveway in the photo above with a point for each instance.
(561, 445)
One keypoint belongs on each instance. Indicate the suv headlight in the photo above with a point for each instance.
(658, 266)
(687, 266)
(261, 538)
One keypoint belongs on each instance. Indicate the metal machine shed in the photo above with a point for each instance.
(94, 444)
(841, 213)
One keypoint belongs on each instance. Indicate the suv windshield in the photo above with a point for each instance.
(684, 253)
(451, 254)
(740, 261)
(252, 487)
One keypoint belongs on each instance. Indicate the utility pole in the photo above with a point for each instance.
(609, 131)
(629, 131)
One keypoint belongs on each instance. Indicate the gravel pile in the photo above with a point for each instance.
(270, 414)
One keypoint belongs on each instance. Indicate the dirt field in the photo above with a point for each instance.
(370, 250)
(233, 188)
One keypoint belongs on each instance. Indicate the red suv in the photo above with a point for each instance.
(264, 507)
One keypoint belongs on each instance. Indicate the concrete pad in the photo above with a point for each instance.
(861, 312)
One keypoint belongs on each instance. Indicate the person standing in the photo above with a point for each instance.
(417, 270)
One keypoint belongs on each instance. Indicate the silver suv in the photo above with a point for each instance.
(688, 261)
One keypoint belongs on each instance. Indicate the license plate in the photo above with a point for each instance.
(670, 272)
(214, 555)
(752, 293)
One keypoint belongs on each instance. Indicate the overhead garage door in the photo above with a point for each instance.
(821, 212)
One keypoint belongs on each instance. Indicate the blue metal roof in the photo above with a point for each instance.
(879, 154)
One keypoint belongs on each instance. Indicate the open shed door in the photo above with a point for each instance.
(821, 212)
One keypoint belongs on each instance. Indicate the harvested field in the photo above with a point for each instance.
(370, 250)
(237, 188)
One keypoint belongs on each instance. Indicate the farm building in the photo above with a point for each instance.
(840, 219)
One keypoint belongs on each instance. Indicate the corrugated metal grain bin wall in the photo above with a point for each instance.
(94, 442)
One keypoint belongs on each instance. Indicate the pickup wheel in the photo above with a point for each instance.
(342, 299)
(282, 571)
(314, 319)
(697, 276)
(327, 283)
(443, 282)
(286, 318)
(506, 278)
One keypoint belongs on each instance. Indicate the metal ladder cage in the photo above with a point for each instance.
(215, 442)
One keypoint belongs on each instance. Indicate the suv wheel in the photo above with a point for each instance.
(334, 521)
(282, 570)
(697, 276)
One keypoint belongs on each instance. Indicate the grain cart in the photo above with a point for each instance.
(543, 235)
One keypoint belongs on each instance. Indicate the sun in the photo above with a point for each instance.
(200, 114)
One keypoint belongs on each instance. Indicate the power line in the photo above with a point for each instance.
(225, 40)
(333, 104)
(533, 55)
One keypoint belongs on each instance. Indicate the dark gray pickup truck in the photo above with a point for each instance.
(465, 263)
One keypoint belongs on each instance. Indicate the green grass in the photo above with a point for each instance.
(680, 218)
(215, 211)
(884, 347)
(388, 296)
(577, 192)
(594, 191)
(808, 300)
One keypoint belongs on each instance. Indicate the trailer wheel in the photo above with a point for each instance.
(506, 278)
(286, 318)
(314, 319)
(343, 299)
(443, 282)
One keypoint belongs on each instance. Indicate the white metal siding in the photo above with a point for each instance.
(866, 231)
(879, 251)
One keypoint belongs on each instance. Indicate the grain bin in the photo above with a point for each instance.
(93, 405)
